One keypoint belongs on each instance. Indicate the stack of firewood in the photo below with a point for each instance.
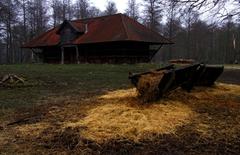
(11, 79)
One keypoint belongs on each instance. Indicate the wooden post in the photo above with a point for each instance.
(77, 55)
(62, 55)
(32, 56)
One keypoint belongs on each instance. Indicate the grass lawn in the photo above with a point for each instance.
(57, 80)
(232, 66)
(93, 109)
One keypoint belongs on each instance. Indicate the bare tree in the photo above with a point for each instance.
(70, 10)
(94, 12)
(172, 11)
(110, 8)
(153, 13)
(37, 16)
(8, 18)
(189, 17)
(133, 9)
(61, 10)
(82, 9)
(56, 12)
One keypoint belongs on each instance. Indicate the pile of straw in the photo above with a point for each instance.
(121, 119)
(148, 86)
(212, 114)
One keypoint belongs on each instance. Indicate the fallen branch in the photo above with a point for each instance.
(11, 79)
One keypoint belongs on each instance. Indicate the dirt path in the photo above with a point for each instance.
(231, 76)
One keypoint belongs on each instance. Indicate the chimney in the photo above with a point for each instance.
(86, 28)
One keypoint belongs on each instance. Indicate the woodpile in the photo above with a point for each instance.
(11, 79)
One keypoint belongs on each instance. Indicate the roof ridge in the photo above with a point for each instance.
(90, 18)
(124, 26)
(148, 29)
(73, 26)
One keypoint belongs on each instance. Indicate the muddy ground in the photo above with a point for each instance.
(206, 121)
(230, 76)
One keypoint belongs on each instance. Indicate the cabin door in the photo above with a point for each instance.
(70, 55)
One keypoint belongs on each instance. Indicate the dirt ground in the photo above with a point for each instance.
(205, 121)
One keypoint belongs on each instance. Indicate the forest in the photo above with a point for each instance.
(203, 30)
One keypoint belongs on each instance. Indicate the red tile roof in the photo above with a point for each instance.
(102, 29)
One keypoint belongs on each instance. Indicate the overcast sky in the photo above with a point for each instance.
(121, 4)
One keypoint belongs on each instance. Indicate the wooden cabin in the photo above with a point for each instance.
(108, 39)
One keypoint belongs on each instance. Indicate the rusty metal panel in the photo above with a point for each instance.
(102, 29)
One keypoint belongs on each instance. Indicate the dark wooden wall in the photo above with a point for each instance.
(51, 55)
(118, 52)
(114, 53)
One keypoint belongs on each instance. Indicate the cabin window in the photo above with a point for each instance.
(66, 35)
